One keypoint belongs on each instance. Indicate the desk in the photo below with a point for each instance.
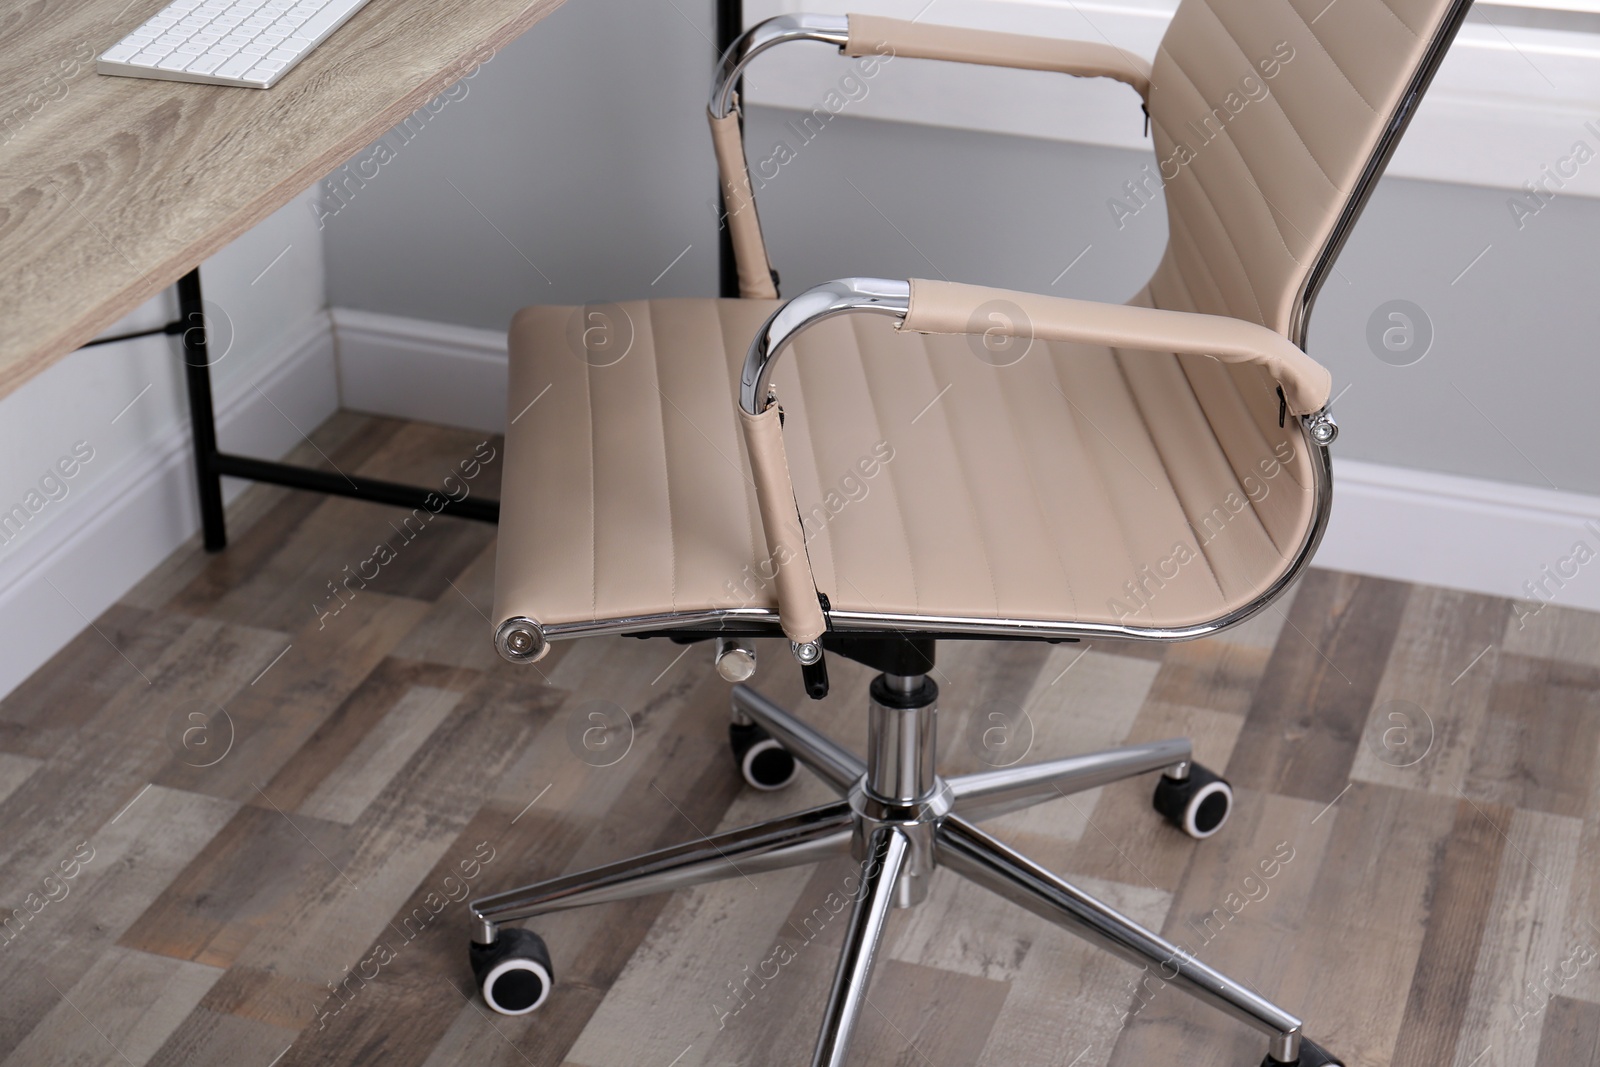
(115, 188)
(112, 189)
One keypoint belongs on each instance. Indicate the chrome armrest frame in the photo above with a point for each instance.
(883, 296)
(828, 29)
(889, 296)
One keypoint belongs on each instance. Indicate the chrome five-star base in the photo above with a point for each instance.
(899, 820)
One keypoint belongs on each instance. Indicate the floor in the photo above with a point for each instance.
(242, 811)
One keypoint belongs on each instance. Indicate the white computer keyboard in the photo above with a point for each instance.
(251, 43)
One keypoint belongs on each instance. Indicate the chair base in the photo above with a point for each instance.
(899, 819)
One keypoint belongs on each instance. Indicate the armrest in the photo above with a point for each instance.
(875, 35)
(950, 307)
(924, 306)
(864, 35)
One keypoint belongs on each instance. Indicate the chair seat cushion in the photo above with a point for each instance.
(1043, 482)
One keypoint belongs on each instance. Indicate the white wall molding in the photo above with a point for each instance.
(1393, 522)
(415, 369)
(427, 371)
(1463, 533)
(116, 533)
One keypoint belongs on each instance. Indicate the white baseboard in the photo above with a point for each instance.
(1463, 533)
(427, 371)
(99, 550)
(1393, 522)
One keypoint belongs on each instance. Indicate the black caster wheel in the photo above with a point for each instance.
(514, 973)
(1198, 805)
(1311, 1055)
(765, 764)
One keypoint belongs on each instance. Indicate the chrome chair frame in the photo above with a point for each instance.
(900, 819)
(896, 816)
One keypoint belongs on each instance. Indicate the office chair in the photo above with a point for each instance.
(1155, 471)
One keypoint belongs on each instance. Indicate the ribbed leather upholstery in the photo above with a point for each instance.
(1078, 484)
(1249, 212)
(931, 481)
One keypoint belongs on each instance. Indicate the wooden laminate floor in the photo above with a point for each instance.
(240, 813)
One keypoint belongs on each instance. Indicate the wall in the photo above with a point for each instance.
(88, 538)
(574, 165)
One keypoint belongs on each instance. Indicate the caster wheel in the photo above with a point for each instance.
(1198, 805)
(765, 764)
(514, 973)
(1311, 1055)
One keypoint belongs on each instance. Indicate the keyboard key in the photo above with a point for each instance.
(323, 23)
(255, 48)
(287, 55)
(235, 66)
(176, 61)
(145, 59)
(205, 64)
(120, 53)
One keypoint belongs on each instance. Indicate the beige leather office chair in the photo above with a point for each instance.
(1155, 471)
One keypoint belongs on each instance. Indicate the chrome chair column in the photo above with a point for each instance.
(900, 788)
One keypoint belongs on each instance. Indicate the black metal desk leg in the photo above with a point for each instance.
(202, 418)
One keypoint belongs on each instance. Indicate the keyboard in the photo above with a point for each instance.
(251, 43)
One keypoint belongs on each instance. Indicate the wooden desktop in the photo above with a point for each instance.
(112, 189)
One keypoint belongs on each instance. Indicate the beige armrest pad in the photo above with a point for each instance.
(749, 249)
(873, 34)
(799, 610)
(953, 308)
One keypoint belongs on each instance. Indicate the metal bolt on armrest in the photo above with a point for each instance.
(1320, 425)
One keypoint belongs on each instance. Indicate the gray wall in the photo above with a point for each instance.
(579, 151)
(585, 144)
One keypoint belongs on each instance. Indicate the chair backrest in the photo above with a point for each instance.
(1269, 119)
